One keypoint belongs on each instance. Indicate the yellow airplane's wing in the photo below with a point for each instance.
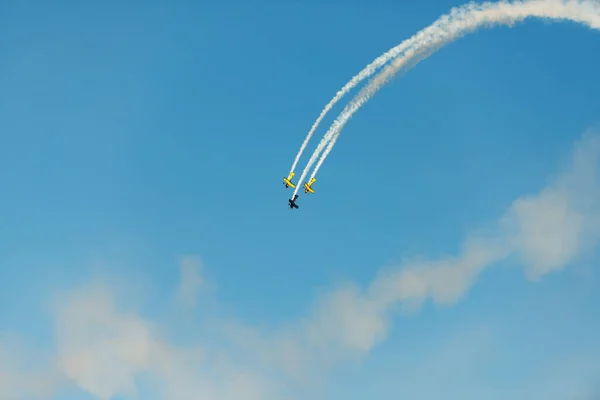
(307, 186)
(288, 180)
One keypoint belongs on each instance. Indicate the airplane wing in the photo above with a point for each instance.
(288, 180)
(308, 186)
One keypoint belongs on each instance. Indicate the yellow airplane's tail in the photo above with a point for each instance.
(288, 180)
(308, 186)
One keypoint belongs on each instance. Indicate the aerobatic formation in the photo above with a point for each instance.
(449, 27)
(307, 188)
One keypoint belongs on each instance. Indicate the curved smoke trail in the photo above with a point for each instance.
(458, 23)
(362, 75)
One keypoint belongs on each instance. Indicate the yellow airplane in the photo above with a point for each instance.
(308, 186)
(288, 180)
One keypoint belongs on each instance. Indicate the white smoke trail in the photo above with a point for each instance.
(450, 27)
(362, 75)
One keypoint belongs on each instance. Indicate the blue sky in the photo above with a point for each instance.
(146, 245)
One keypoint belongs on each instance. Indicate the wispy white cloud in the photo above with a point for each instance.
(100, 349)
(562, 223)
(108, 350)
